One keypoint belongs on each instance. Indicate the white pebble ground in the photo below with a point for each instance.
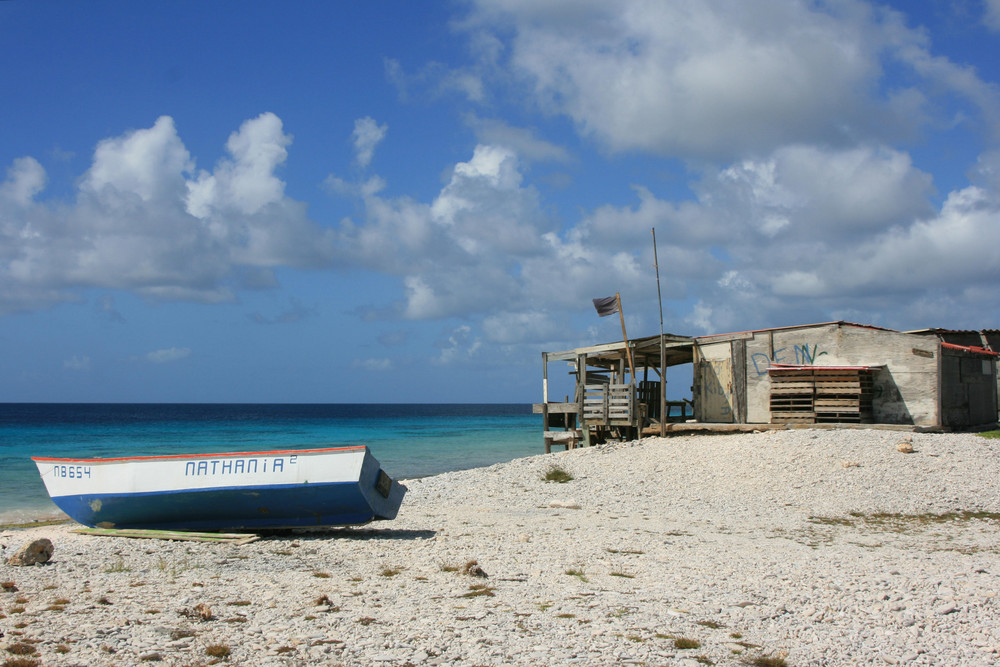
(803, 547)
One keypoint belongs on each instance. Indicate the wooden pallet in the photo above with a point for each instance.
(814, 394)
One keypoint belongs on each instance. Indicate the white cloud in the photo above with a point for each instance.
(245, 182)
(373, 365)
(168, 355)
(461, 344)
(144, 221)
(720, 78)
(991, 16)
(148, 164)
(367, 135)
(76, 363)
(25, 179)
(526, 143)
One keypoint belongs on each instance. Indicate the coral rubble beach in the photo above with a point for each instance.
(804, 547)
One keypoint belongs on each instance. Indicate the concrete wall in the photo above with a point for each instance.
(905, 391)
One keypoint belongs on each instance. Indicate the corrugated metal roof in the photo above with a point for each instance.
(799, 326)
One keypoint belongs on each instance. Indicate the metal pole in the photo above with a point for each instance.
(663, 346)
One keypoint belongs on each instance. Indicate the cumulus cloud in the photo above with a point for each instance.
(525, 142)
(25, 178)
(366, 136)
(721, 78)
(145, 220)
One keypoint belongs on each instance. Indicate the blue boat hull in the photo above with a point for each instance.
(224, 509)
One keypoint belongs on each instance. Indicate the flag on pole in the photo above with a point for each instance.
(606, 306)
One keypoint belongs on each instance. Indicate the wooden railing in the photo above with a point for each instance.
(609, 404)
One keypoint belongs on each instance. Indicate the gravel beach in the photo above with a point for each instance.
(801, 547)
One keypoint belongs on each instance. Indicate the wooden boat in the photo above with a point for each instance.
(231, 491)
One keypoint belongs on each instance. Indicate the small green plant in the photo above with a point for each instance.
(217, 651)
(321, 575)
(577, 572)
(710, 624)
(117, 565)
(239, 603)
(565, 615)
(685, 643)
(558, 475)
(990, 434)
(736, 635)
(390, 571)
(624, 575)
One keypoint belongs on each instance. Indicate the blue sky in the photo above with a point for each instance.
(408, 202)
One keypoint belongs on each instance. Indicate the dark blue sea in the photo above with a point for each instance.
(411, 440)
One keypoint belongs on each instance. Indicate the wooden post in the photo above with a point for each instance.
(628, 348)
(545, 402)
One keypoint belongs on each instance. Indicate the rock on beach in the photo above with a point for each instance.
(695, 549)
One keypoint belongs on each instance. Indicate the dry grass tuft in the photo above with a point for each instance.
(479, 590)
(21, 648)
(217, 651)
(473, 570)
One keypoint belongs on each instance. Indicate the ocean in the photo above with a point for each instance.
(409, 440)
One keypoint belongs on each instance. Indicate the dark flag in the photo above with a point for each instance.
(606, 306)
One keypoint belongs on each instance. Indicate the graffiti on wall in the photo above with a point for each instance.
(794, 354)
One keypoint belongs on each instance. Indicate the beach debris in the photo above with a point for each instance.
(200, 611)
(565, 504)
(473, 570)
(850, 464)
(905, 446)
(36, 552)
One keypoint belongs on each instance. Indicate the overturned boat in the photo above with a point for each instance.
(231, 492)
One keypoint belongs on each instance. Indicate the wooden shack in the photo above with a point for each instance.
(613, 395)
(828, 373)
(872, 375)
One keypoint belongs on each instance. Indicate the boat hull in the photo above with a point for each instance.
(231, 492)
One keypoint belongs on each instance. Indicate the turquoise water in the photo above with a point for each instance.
(408, 440)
